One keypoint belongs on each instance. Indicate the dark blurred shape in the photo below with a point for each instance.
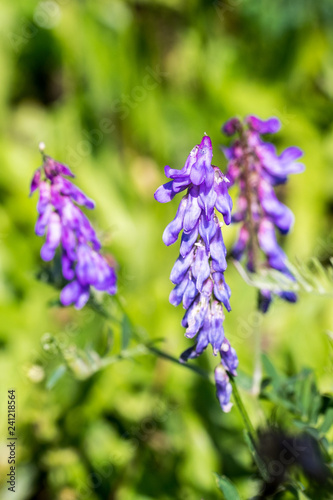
(281, 452)
(39, 70)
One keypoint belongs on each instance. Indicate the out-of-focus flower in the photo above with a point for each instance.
(67, 227)
(256, 167)
(198, 274)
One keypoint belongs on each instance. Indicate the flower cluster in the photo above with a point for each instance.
(82, 264)
(198, 274)
(256, 167)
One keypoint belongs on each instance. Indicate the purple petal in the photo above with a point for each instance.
(206, 200)
(197, 173)
(290, 154)
(281, 215)
(185, 171)
(65, 170)
(180, 268)
(176, 295)
(69, 189)
(267, 238)
(200, 266)
(68, 241)
(228, 152)
(112, 289)
(86, 267)
(173, 229)
(218, 252)
(35, 181)
(241, 243)
(70, 293)
(165, 193)
(180, 185)
(289, 296)
(51, 168)
(264, 300)
(240, 215)
(223, 201)
(208, 228)
(229, 357)
(95, 269)
(222, 291)
(232, 126)
(223, 388)
(87, 231)
(73, 218)
(196, 316)
(207, 288)
(188, 240)
(271, 162)
(215, 328)
(202, 168)
(188, 354)
(44, 196)
(190, 294)
(82, 298)
(278, 262)
(53, 237)
(270, 126)
(43, 220)
(193, 210)
(202, 342)
(233, 172)
(67, 267)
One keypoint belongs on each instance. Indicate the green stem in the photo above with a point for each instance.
(250, 435)
(167, 356)
(239, 403)
(257, 371)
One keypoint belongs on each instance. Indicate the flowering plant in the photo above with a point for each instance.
(256, 168)
(198, 274)
(66, 226)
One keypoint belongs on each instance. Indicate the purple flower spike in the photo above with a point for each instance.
(255, 166)
(68, 228)
(198, 271)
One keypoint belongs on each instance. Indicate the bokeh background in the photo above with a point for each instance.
(118, 89)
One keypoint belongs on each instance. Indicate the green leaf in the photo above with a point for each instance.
(126, 332)
(227, 487)
(277, 379)
(256, 457)
(311, 277)
(244, 381)
(56, 376)
(305, 394)
(328, 421)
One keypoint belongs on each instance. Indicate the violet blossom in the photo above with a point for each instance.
(66, 226)
(257, 168)
(198, 274)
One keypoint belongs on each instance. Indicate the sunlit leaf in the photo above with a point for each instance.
(328, 421)
(256, 457)
(310, 277)
(126, 332)
(227, 487)
(56, 376)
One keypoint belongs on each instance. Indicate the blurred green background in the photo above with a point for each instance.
(117, 90)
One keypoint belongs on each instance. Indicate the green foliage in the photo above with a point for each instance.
(104, 410)
(312, 277)
(227, 487)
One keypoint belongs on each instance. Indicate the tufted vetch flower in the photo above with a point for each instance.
(256, 168)
(68, 228)
(198, 273)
